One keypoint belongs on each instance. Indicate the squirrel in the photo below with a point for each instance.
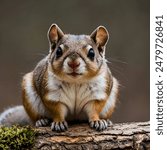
(73, 82)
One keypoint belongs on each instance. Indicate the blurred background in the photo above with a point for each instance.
(23, 42)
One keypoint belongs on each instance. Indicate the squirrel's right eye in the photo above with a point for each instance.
(59, 52)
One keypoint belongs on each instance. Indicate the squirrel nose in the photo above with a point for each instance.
(73, 64)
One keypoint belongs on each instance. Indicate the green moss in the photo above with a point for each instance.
(16, 137)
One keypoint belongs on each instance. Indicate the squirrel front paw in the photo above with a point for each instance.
(98, 125)
(42, 122)
(59, 126)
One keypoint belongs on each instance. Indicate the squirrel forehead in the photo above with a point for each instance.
(76, 40)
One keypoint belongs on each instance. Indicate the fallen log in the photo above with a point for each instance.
(127, 136)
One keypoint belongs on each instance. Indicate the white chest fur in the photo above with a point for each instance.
(75, 96)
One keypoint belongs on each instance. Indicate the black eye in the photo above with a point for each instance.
(59, 52)
(91, 54)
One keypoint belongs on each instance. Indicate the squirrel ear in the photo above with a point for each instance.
(100, 36)
(54, 34)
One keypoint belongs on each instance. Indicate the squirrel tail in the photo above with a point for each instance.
(15, 116)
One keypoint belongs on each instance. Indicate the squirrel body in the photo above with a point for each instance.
(73, 82)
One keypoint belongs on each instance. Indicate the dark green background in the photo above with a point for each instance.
(23, 42)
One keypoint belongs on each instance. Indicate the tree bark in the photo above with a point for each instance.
(127, 136)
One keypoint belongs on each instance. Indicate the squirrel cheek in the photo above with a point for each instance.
(92, 69)
(82, 69)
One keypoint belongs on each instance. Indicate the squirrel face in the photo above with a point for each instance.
(77, 58)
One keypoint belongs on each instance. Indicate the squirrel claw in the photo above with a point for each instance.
(42, 122)
(99, 125)
(59, 126)
(109, 122)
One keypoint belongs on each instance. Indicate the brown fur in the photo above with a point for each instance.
(27, 105)
(57, 110)
(93, 109)
(111, 110)
(109, 83)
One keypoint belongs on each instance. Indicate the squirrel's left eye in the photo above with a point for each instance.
(91, 54)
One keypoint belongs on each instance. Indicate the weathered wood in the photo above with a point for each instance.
(126, 136)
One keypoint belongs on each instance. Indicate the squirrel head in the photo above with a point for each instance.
(77, 58)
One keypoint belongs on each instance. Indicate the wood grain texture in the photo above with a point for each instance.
(127, 136)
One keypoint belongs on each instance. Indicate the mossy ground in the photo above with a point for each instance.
(16, 138)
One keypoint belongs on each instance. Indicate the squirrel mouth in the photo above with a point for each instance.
(74, 74)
